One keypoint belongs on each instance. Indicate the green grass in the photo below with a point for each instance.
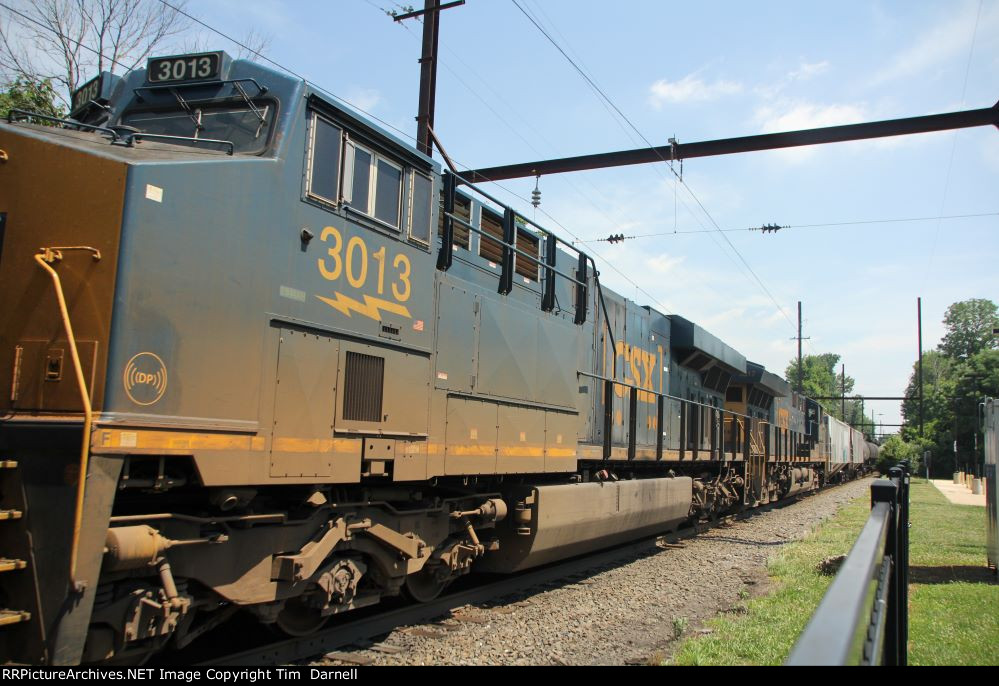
(954, 603)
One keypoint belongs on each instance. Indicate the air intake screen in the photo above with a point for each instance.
(364, 379)
(488, 248)
(529, 244)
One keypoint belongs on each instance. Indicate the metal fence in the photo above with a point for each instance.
(863, 618)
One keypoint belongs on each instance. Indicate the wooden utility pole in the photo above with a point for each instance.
(800, 338)
(919, 325)
(842, 382)
(428, 69)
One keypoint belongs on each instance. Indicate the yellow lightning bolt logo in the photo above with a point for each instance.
(371, 308)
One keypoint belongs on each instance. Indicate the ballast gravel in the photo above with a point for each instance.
(627, 612)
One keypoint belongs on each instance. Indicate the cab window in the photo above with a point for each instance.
(324, 172)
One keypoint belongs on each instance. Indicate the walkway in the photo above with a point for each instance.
(958, 493)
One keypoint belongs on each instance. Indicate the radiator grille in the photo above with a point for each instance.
(364, 379)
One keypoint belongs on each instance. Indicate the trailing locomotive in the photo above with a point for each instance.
(251, 363)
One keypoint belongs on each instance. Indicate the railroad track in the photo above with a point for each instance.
(289, 650)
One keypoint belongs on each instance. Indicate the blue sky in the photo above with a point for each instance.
(700, 71)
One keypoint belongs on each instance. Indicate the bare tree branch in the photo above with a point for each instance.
(71, 40)
(254, 44)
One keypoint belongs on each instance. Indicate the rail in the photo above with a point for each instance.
(508, 244)
(16, 115)
(724, 434)
(863, 618)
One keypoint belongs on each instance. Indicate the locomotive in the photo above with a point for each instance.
(260, 356)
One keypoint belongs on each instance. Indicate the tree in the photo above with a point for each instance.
(34, 96)
(956, 377)
(70, 41)
(820, 379)
(969, 328)
(894, 449)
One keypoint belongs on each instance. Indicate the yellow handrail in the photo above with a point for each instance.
(45, 258)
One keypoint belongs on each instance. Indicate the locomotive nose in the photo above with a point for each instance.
(60, 195)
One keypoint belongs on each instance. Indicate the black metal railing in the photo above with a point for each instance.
(729, 433)
(863, 618)
(545, 260)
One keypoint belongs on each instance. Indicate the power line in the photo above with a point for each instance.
(403, 133)
(657, 301)
(953, 148)
(767, 229)
(653, 148)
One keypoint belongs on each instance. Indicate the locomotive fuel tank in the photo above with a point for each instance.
(552, 522)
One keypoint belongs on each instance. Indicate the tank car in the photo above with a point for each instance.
(260, 356)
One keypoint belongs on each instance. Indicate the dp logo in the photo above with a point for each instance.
(145, 379)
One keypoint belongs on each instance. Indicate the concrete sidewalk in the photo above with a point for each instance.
(958, 493)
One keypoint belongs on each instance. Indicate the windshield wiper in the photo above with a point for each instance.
(249, 103)
(130, 140)
(195, 117)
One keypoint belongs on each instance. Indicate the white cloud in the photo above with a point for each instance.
(794, 115)
(804, 72)
(690, 89)
(946, 40)
(364, 98)
(800, 114)
(664, 263)
(807, 70)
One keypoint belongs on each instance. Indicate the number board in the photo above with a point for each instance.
(82, 96)
(201, 67)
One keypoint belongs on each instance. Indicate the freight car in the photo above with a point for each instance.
(260, 356)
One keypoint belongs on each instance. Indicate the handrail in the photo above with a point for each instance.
(44, 259)
(545, 259)
(11, 118)
(721, 440)
(863, 617)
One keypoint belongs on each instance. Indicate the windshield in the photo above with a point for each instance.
(248, 128)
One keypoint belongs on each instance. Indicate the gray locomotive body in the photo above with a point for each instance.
(296, 383)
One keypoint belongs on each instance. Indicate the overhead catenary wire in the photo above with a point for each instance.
(686, 186)
(399, 131)
(859, 222)
(953, 149)
(655, 300)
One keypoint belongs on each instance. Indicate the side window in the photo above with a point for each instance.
(357, 177)
(372, 184)
(388, 192)
(324, 158)
(420, 191)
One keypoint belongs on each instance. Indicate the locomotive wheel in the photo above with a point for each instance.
(298, 619)
(424, 586)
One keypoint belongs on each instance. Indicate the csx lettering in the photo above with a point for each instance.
(783, 418)
(641, 364)
(353, 262)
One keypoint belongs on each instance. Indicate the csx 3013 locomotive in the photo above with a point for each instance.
(258, 355)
